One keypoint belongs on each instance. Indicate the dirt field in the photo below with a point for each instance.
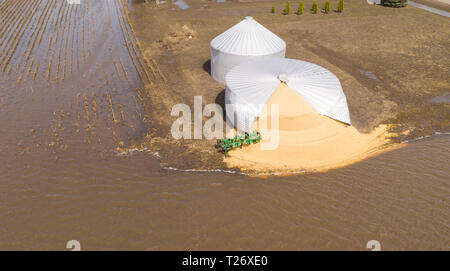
(391, 62)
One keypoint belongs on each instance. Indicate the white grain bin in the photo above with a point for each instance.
(250, 85)
(244, 41)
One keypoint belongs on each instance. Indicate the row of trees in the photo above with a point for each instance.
(314, 8)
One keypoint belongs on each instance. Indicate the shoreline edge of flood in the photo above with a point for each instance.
(236, 163)
(177, 155)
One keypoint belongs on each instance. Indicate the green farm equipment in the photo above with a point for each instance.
(238, 141)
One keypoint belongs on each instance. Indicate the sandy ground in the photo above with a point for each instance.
(303, 139)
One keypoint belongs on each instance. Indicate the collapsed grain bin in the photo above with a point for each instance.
(244, 41)
(250, 85)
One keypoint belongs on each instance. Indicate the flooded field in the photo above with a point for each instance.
(72, 80)
(68, 71)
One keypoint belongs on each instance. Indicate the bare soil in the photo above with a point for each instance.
(390, 63)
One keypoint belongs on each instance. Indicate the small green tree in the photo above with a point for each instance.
(287, 9)
(340, 6)
(327, 7)
(273, 9)
(300, 9)
(314, 7)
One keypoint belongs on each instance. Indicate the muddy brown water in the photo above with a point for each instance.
(60, 178)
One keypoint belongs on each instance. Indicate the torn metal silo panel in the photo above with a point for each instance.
(250, 85)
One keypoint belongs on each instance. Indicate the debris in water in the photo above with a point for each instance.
(444, 98)
(369, 75)
(181, 4)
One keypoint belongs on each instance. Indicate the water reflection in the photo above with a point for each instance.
(444, 98)
(370, 75)
(181, 4)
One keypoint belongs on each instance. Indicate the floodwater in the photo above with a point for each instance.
(70, 78)
(181, 4)
(370, 75)
(444, 98)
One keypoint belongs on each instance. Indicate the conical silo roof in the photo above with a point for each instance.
(248, 38)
